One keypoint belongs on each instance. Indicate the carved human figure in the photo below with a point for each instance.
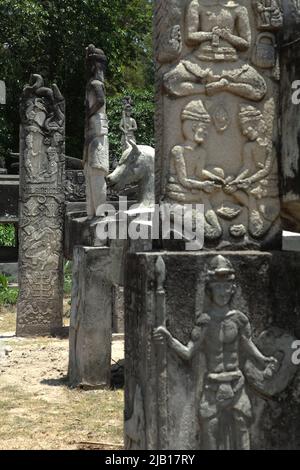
(96, 151)
(189, 182)
(258, 178)
(31, 162)
(128, 126)
(269, 14)
(218, 32)
(223, 335)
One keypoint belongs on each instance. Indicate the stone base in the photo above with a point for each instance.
(91, 319)
(167, 404)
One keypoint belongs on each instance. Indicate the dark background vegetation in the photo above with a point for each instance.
(49, 37)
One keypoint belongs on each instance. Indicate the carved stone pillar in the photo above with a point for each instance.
(211, 335)
(41, 209)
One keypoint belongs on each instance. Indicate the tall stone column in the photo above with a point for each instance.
(91, 318)
(210, 334)
(41, 209)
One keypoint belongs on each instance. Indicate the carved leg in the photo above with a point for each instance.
(210, 430)
(181, 82)
(241, 434)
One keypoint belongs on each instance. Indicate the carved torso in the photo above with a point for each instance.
(222, 340)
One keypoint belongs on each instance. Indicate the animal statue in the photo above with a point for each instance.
(136, 166)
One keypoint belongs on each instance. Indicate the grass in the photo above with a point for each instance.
(30, 422)
(37, 409)
(8, 318)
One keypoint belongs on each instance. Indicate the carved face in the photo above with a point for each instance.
(195, 131)
(222, 292)
(252, 130)
(52, 154)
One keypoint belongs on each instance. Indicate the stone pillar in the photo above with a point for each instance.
(211, 335)
(41, 209)
(91, 319)
(290, 111)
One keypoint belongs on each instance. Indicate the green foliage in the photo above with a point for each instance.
(143, 113)
(8, 295)
(49, 37)
(68, 278)
(7, 235)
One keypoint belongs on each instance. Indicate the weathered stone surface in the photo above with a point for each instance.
(41, 210)
(75, 186)
(91, 319)
(128, 124)
(169, 403)
(290, 148)
(291, 241)
(136, 166)
(96, 147)
(216, 122)
(118, 309)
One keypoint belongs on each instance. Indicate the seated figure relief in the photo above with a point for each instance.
(189, 181)
(258, 178)
(219, 33)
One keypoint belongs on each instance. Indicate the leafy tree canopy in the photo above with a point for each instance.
(49, 37)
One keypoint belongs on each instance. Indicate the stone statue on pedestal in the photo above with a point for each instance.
(128, 124)
(96, 149)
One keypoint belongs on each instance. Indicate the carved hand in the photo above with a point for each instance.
(244, 184)
(230, 188)
(208, 186)
(160, 334)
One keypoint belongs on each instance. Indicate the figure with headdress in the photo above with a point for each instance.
(258, 177)
(218, 33)
(128, 124)
(96, 148)
(224, 336)
(189, 182)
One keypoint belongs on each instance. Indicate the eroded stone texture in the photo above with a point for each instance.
(128, 124)
(217, 76)
(290, 76)
(96, 151)
(224, 376)
(91, 319)
(41, 209)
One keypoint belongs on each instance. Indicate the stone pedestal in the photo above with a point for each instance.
(169, 402)
(91, 319)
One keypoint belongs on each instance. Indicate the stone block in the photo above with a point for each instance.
(91, 319)
(220, 396)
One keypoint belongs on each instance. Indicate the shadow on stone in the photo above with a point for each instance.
(117, 374)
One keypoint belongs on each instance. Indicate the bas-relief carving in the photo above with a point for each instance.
(75, 189)
(268, 14)
(235, 367)
(219, 41)
(42, 171)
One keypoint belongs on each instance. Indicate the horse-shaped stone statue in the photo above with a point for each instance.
(136, 166)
